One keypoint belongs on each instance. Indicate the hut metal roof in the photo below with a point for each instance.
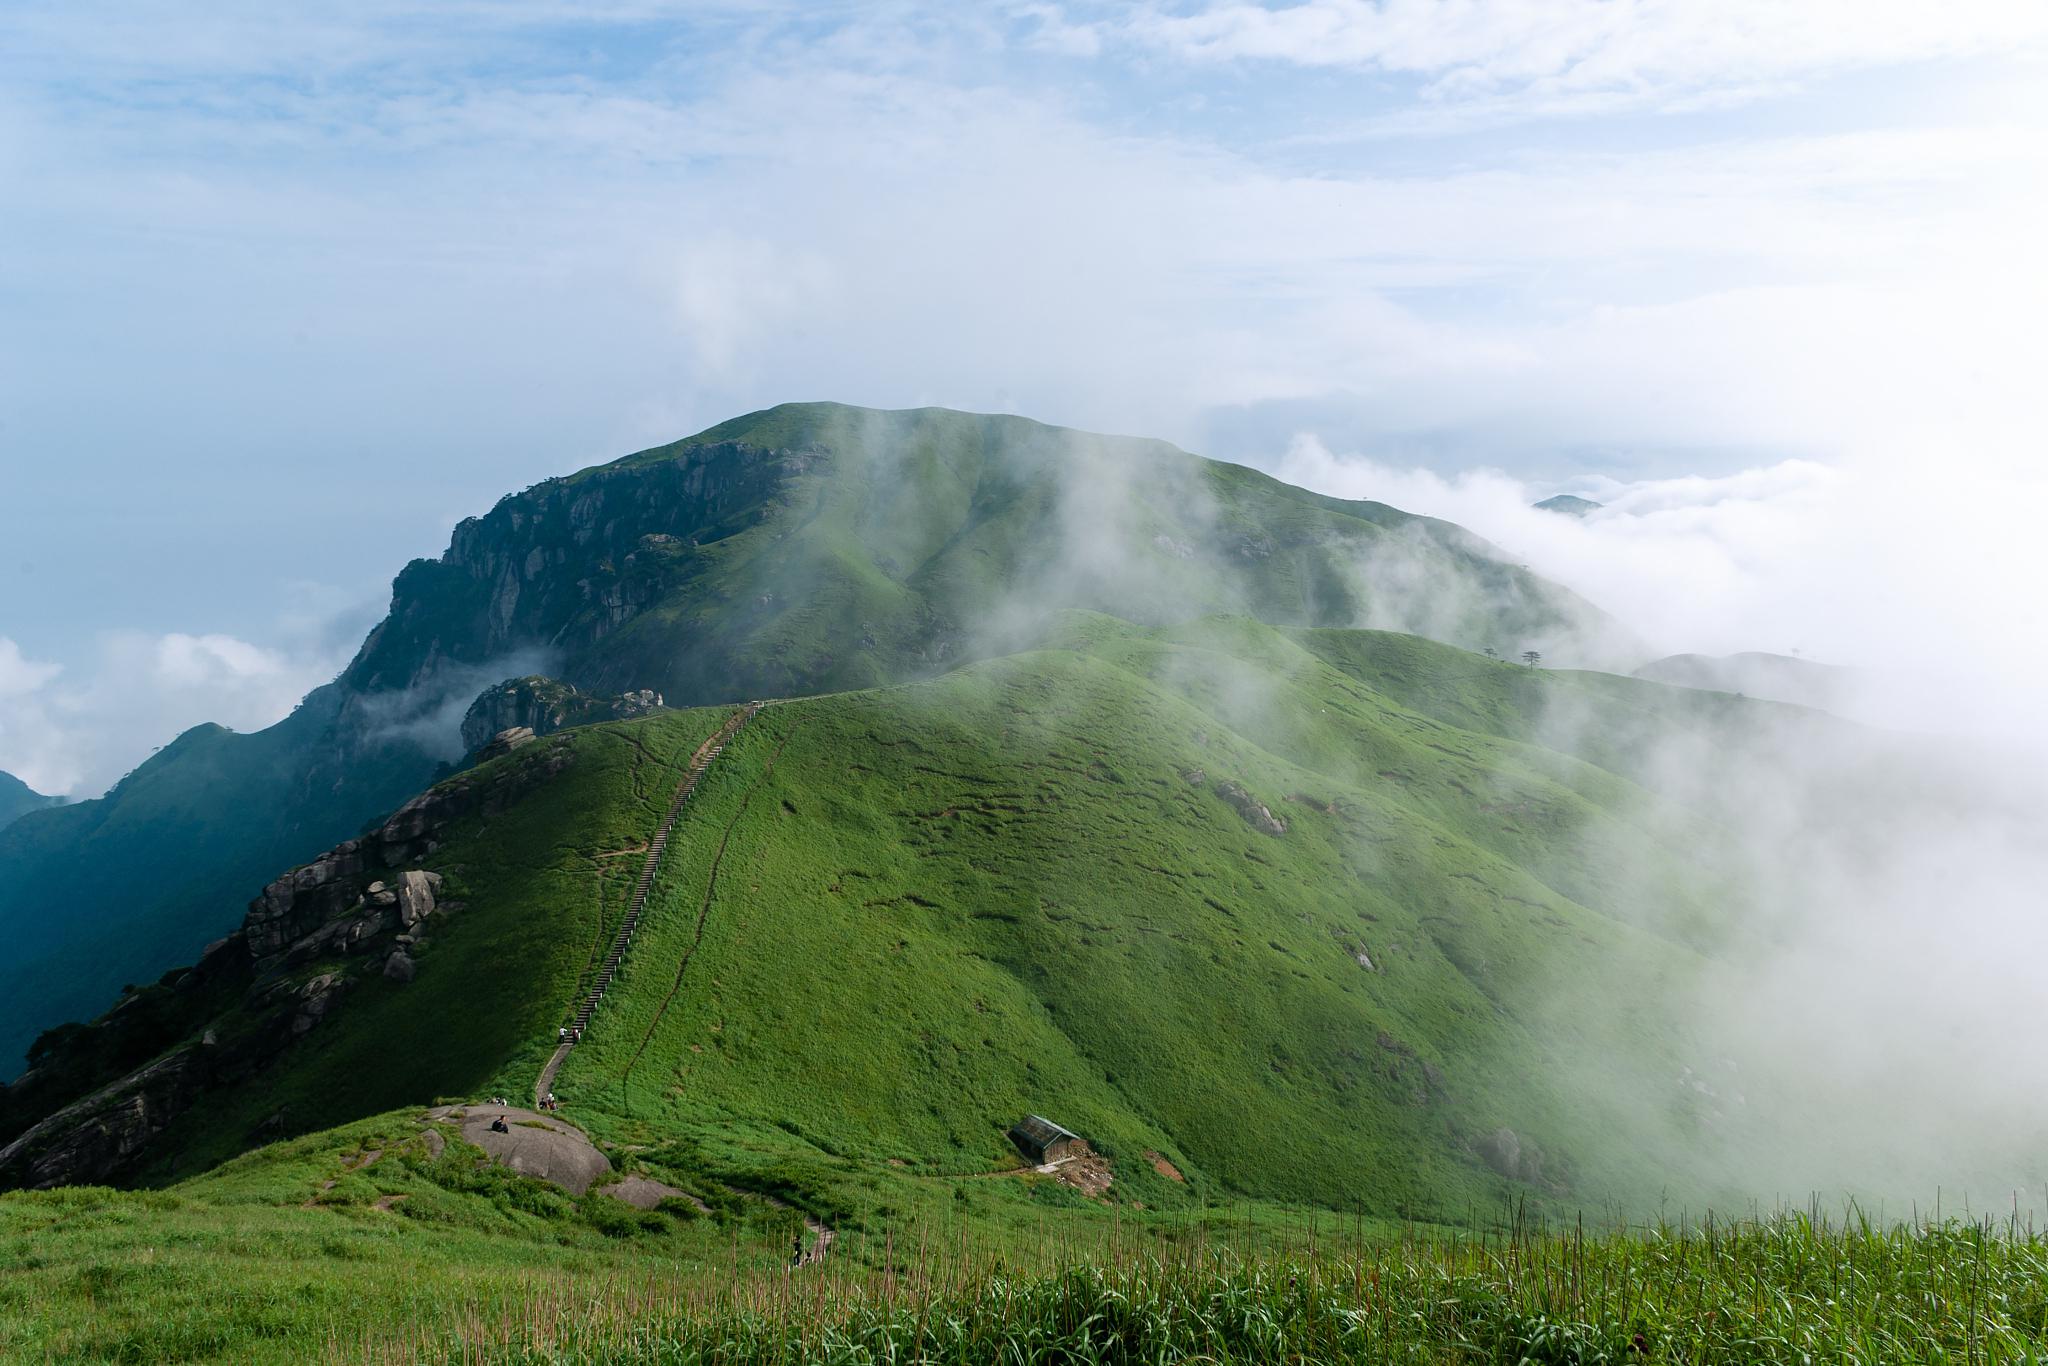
(1040, 1130)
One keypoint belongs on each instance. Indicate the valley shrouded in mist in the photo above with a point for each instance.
(1231, 681)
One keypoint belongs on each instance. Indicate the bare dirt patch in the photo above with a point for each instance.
(1088, 1173)
(1163, 1167)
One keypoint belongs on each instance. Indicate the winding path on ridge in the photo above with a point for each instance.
(699, 761)
(822, 1235)
(704, 907)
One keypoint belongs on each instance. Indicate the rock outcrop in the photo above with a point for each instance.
(91, 1139)
(311, 938)
(539, 706)
(505, 741)
(1256, 814)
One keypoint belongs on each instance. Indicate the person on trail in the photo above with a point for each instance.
(796, 1256)
(499, 1126)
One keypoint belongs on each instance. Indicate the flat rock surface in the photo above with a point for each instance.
(642, 1193)
(538, 1145)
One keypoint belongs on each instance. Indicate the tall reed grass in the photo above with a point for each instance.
(1793, 1287)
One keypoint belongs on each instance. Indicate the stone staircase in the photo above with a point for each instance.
(700, 761)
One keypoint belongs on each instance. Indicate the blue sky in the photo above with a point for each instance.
(284, 295)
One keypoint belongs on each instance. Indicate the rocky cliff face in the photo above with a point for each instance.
(306, 941)
(564, 564)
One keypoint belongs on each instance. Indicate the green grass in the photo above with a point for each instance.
(259, 1263)
(1782, 1290)
(893, 921)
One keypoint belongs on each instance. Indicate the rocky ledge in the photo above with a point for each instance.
(541, 706)
(85, 1113)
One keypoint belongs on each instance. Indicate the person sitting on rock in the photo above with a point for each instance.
(499, 1126)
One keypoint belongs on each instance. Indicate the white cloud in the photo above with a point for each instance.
(1596, 54)
(19, 675)
(1929, 583)
(75, 737)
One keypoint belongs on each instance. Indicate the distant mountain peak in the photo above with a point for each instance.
(1569, 504)
(17, 799)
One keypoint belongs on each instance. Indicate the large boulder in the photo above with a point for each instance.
(416, 896)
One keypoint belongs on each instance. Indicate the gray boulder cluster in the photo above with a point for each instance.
(308, 940)
(324, 909)
(509, 714)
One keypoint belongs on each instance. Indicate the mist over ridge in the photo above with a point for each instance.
(805, 548)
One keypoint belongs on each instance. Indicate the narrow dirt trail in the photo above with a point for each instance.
(699, 762)
(704, 908)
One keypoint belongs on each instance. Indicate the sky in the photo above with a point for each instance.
(287, 291)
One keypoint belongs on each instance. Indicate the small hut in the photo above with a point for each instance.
(1042, 1141)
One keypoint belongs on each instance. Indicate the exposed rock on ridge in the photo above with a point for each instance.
(310, 938)
(542, 706)
(1256, 814)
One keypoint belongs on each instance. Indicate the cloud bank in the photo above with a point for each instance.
(74, 734)
(1924, 580)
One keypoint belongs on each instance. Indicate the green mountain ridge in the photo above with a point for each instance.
(17, 799)
(893, 920)
(808, 548)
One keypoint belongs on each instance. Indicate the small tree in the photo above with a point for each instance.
(1492, 653)
(1532, 658)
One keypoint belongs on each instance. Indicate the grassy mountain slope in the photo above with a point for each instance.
(894, 920)
(810, 547)
(17, 799)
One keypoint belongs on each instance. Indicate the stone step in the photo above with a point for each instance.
(655, 849)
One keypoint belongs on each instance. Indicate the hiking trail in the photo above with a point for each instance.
(699, 761)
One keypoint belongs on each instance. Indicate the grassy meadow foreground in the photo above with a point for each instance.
(362, 1245)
